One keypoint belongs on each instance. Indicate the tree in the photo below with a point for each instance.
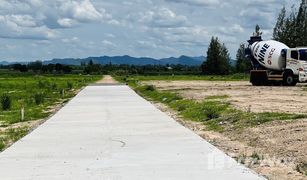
(257, 31)
(35, 66)
(280, 25)
(91, 62)
(292, 30)
(243, 63)
(301, 24)
(217, 59)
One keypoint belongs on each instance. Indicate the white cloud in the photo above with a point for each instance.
(22, 20)
(39, 19)
(197, 2)
(71, 40)
(108, 43)
(14, 27)
(66, 22)
(162, 17)
(82, 11)
(232, 30)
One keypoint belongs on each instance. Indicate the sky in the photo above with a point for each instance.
(47, 29)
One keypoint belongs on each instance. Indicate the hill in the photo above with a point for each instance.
(182, 60)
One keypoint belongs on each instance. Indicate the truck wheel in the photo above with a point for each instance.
(289, 80)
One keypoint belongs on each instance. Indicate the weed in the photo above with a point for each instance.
(15, 134)
(255, 156)
(149, 88)
(2, 145)
(302, 168)
(39, 98)
(6, 102)
(70, 85)
(217, 97)
(213, 112)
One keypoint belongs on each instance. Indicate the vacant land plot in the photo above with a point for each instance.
(263, 127)
(26, 100)
(242, 95)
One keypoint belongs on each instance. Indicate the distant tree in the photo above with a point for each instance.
(292, 30)
(93, 69)
(301, 24)
(50, 68)
(58, 67)
(217, 59)
(257, 31)
(91, 62)
(36, 66)
(243, 63)
(67, 69)
(279, 28)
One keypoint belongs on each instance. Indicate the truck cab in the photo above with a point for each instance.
(296, 60)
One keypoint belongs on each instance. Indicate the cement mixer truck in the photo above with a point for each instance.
(274, 63)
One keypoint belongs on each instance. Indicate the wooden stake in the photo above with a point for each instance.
(22, 112)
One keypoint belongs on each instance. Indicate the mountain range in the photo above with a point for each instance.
(183, 60)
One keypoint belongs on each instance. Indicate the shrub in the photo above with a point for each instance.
(2, 145)
(39, 98)
(6, 102)
(70, 85)
(149, 88)
(54, 86)
(214, 109)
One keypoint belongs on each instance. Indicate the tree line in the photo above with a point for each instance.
(291, 29)
(39, 67)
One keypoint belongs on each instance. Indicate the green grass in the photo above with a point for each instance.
(38, 94)
(217, 97)
(215, 112)
(234, 77)
(12, 135)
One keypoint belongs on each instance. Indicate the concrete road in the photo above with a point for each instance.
(109, 132)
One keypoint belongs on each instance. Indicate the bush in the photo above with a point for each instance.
(70, 85)
(2, 145)
(213, 110)
(39, 98)
(6, 102)
(54, 86)
(149, 88)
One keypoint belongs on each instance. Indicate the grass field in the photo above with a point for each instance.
(234, 77)
(37, 95)
(214, 111)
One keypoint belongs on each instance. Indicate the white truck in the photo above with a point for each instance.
(274, 63)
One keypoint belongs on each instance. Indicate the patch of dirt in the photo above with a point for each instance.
(275, 149)
(242, 95)
(107, 79)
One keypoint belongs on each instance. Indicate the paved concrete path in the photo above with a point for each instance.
(109, 132)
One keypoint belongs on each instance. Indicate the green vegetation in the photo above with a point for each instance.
(11, 135)
(215, 111)
(292, 28)
(218, 59)
(6, 102)
(135, 78)
(243, 63)
(37, 95)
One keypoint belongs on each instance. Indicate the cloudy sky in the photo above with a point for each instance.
(46, 29)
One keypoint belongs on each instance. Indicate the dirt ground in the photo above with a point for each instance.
(277, 149)
(242, 95)
(107, 79)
